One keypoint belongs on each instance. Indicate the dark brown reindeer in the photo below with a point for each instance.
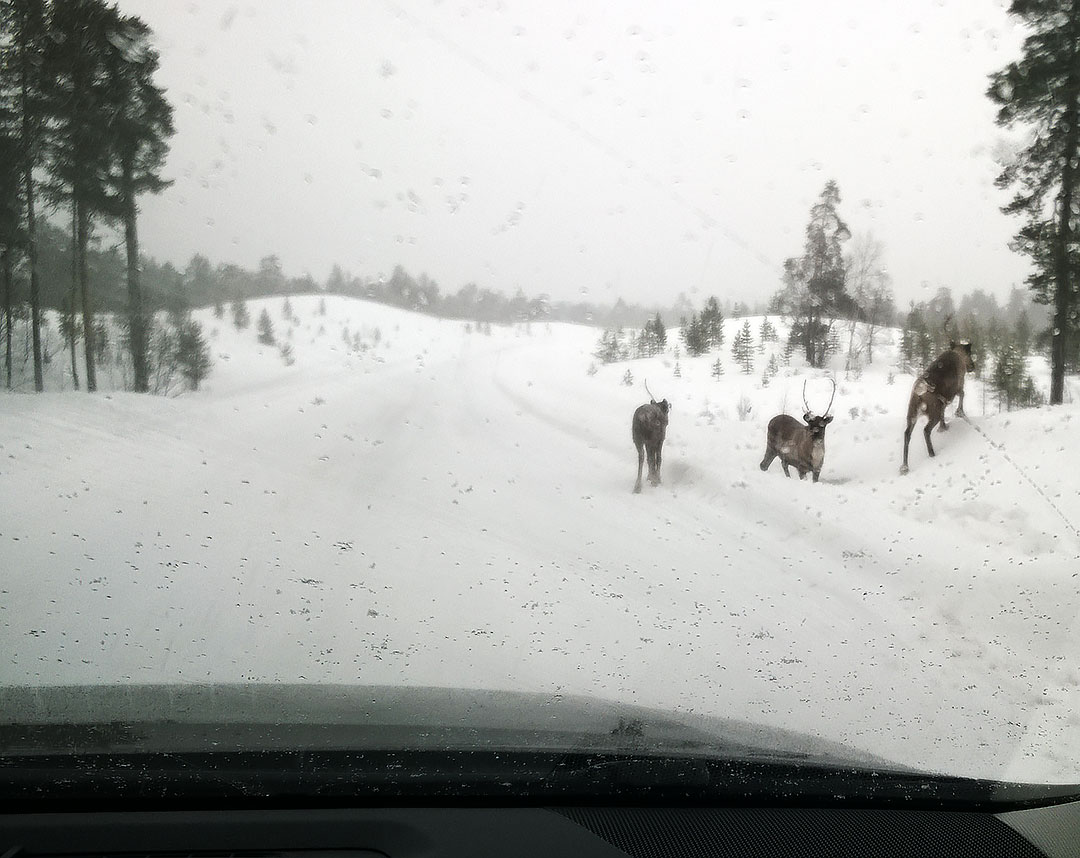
(649, 430)
(796, 444)
(935, 389)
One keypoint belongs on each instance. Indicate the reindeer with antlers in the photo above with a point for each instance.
(796, 444)
(649, 428)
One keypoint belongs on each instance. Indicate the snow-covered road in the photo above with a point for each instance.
(455, 509)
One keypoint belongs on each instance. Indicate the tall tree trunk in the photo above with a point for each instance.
(8, 313)
(1063, 292)
(31, 242)
(137, 321)
(83, 238)
(72, 293)
(35, 287)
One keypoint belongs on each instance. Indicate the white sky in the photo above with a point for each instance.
(639, 149)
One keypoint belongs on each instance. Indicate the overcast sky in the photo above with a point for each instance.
(639, 149)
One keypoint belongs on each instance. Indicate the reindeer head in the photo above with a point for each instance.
(963, 348)
(817, 423)
(663, 404)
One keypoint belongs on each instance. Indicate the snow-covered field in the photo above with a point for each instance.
(446, 507)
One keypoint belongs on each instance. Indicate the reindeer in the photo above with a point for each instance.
(935, 389)
(649, 429)
(796, 444)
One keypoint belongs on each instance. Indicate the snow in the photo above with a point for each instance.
(446, 507)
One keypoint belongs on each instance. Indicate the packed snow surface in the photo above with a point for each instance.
(417, 501)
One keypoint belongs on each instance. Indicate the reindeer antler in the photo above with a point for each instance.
(831, 397)
(653, 398)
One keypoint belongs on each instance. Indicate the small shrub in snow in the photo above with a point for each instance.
(678, 370)
(743, 407)
(717, 369)
(287, 354)
(592, 370)
(628, 378)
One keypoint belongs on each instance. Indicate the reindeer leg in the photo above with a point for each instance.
(931, 423)
(802, 473)
(912, 418)
(784, 465)
(770, 454)
(658, 455)
(960, 406)
(640, 462)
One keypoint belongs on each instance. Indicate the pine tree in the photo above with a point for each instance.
(712, 325)
(1042, 89)
(653, 338)
(742, 349)
(140, 123)
(694, 336)
(628, 378)
(767, 334)
(81, 133)
(814, 293)
(240, 315)
(789, 350)
(1022, 333)
(265, 328)
(11, 233)
(610, 347)
(717, 369)
(1008, 375)
(25, 39)
(660, 332)
(192, 353)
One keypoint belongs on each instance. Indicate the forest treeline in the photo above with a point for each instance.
(85, 130)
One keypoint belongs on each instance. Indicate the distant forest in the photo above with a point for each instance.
(202, 283)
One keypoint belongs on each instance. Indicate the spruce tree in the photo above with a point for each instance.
(265, 328)
(742, 348)
(139, 127)
(814, 294)
(240, 315)
(192, 353)
(1042, 89)
(24, 39)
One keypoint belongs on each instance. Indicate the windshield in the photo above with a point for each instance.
(600, 358)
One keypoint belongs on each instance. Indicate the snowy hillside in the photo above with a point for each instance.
(414, 501)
